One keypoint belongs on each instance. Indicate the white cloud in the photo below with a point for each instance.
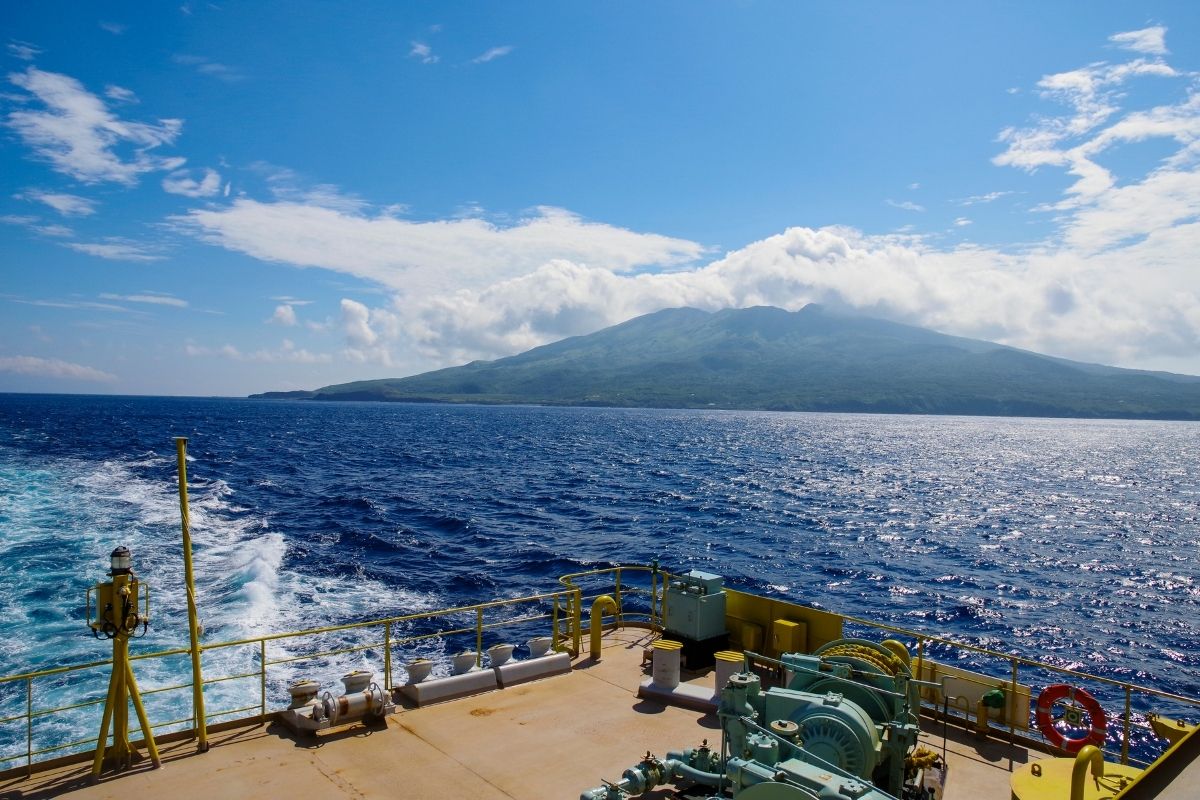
(291, 301)
(115, 28)
(115, 249)
(1147, 40)
(23, 50)
(287, 352)
(492, 54)
(423, 53)
(961, 222)
(906, 205)
(990, 197)
(182, 182)
(151, 298)
(1122, 306)
(284, 315)
(356, 323)
(57, 231)
(69, 205)
(77, 134)
(120, 94)
(424, 257)
(212, 69)
(52, 368)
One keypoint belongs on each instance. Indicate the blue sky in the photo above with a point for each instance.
(220, 198)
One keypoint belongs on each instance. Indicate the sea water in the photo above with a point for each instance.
(1074, 542)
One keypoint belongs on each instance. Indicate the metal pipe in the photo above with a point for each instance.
(1089, 756)
(201, 723)
(602, 602)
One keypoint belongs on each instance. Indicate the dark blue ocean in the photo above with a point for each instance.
(1071, 541)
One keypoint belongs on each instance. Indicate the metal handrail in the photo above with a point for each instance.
(570, 599)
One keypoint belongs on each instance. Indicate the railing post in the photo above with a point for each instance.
(29, 727)
(479, 636)
(654, 617)
(1011, 709)
(387, 656)
(577, 622)
(1125, 735)
(554, 622)
(262, 679)
(617, 597)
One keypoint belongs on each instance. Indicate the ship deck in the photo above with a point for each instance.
(551, 738)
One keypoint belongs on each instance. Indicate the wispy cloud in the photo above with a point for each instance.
(115, 28)
(990, 197)
(423, 53)
(287, 352)
(492, 54)
(961, 222)
(115, 249)
(291, 301)
(906, 205)
(1147, 40)
(69, 205)
(206, 66)
(120, 94)
(193, 183)
(36, 225)
(149, 298)
(23, 50)
(53, 368)
(77, 134)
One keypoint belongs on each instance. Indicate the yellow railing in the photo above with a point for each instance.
(639, 592)
(476, 619)
(1013, 664)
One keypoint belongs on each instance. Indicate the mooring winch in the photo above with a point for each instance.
(843, 727)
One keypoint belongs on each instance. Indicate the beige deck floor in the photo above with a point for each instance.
(547, 739)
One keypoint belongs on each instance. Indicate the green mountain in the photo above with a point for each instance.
(814, 359)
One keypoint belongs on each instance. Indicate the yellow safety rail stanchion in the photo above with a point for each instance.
(602, 603)
(200, 722)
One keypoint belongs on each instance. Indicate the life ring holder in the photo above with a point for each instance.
(1060, 691)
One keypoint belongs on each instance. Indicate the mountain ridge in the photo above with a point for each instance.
(814, 359)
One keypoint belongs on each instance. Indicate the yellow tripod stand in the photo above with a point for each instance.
(117, 617)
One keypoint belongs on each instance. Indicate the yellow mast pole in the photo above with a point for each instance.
(199, 721)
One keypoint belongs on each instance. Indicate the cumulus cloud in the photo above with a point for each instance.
(193, 183)
(52, 368)
(76, 133)
(284, 315)
(492, 54)
(1147, 40)
(1105, 307)
(424, 257)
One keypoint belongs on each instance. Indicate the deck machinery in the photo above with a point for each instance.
(842, 726)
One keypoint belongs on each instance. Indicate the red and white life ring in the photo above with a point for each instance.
(1061, 691)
